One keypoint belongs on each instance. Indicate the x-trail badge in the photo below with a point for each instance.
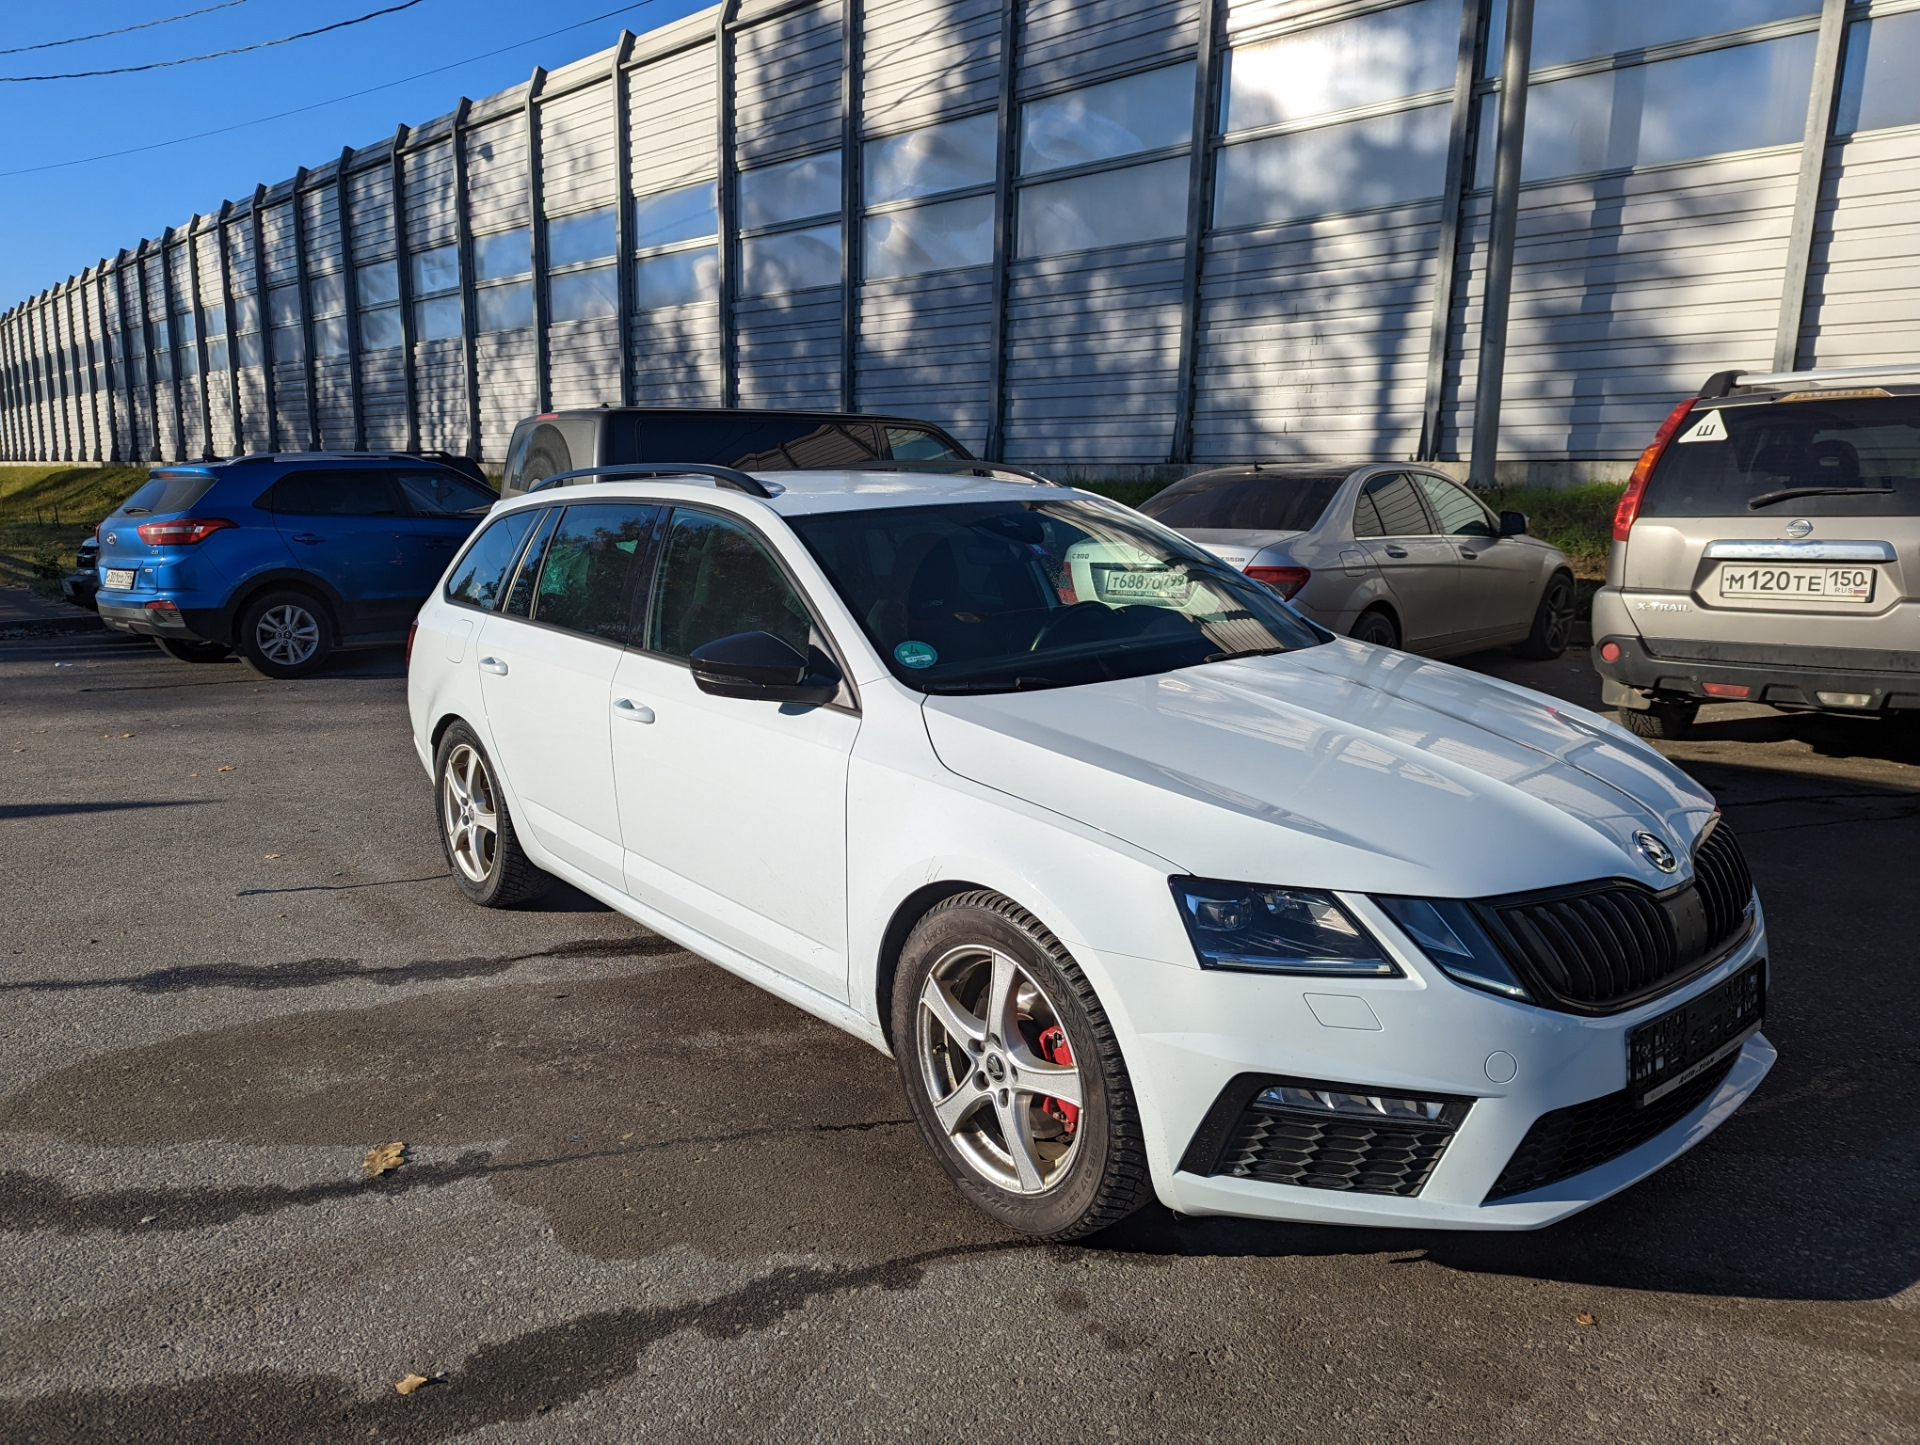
(1656, 852)
(1799, 527)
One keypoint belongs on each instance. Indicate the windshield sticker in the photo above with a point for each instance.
(1708, 429)
(915, 654)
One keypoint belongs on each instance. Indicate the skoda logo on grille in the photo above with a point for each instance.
(1656, 852)
(1799, 527)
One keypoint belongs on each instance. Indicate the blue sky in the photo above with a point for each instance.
(59, 221)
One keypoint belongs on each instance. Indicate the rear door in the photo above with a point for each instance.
(348, 526)
(1392, 527)
(547, 660)
(1498, 578)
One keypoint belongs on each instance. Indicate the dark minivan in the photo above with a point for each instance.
(750, 440)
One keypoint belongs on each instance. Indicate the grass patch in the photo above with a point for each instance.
(1577, 520)
(47, 512)
(1132, 494)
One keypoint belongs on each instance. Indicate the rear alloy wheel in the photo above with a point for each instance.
(1376, 625)
(1666, 721)
(285, 635)
(1552, 621)
(1013, 1072)
(476, 830)
(192, 650)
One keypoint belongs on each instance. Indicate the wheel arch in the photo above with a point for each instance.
(1382, 604)
(289, 579)
(893, 938)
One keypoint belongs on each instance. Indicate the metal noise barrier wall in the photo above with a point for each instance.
(1075, 232)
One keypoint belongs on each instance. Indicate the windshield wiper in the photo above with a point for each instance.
(1023, 683)
(1787, 494)
(1249, 652)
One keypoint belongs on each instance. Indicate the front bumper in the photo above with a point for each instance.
(1782, 675)
(80, 588)
(1195, 1031)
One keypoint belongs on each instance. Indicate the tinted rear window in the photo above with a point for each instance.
(1249, 503)
(1852, 458)
(771, 444)
(166, 494)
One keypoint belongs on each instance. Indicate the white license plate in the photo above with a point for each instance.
(1748, 580)
(118, 579)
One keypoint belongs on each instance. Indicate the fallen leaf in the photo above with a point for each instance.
(126, 735)
(410, 1384)
(1585, 1319)
(384, 1157)
(193, 775)
(226, 768)
(625, 1137)
(276, 855)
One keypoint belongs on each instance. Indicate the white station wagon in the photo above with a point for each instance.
(1149, 884)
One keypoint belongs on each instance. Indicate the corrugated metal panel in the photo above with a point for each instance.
(277, 237)
(789, 349)
(431, 200)
(370, 210)
(787, 84)
(505, 365)
(1863, 294)
(1062, 41)
(1313, 338)
(926, 349)
(219, 396)
(497, 174)
(332, 375)
(383, 397)
(1628, 292)
(670, 121)
(1092, 348)
(926, 58)
(440, 379)
(166, 436)
(577, 150)
(676, 356)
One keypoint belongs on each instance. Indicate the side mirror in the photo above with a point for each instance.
(760, 667)
(1513, 524)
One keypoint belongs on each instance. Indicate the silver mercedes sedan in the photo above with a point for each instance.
(1388, 553)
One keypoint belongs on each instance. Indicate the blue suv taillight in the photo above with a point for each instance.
(183, 532)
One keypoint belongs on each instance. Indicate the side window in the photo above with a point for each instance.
(589, 566)
(1390, 507)
(316, 492)
(480, 579)
(910, 444)
(519, 597)
(1460, 513)
(438, 493)
(715, 579)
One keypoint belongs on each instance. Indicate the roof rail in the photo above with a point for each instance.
(722, 476)
(954, 468)
(1831, 373)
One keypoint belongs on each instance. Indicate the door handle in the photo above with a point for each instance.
(493, 665)
(1396, 551)
(633, 711)
(308, 537)
(1470, 554)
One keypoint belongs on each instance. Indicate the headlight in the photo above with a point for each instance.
(1276, 930)
(1449, 934)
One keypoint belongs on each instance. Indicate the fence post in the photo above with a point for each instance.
(301, 279)
(350, 285)
(1446, 263)
(403, 272)
(623, 212)
(269, 389)
(1501, 235)
(1206, 86)
(135, 452)
(727, 249)
(200, 340)
(463, 239)
(1822, 95)
(1007, 140)
(852, 171)
(536, 218)
(235, 433)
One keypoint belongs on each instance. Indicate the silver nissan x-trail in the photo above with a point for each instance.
(1767, 549)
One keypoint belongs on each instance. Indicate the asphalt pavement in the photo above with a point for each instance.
(641, 1200)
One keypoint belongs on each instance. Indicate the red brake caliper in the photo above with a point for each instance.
(1052, 1046)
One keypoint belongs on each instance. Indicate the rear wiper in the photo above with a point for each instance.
(1787, 494)
(135, 511)
(1250, 652)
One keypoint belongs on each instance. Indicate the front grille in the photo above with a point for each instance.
(1246, 1135)
(1580, 1137)
(1607, 946)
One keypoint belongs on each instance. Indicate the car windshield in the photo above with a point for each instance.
(167, 494)
(1005, 596)
(1245, 501)
(1845, 457)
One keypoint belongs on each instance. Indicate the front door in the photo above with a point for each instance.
(1497, 579)
(733, 812)
(1392, 527)
(446, 507)
(547, 661)
(347, 526)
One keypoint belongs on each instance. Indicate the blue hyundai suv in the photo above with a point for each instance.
(283, 558)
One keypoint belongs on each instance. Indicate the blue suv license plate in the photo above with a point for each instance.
(1666, 1053)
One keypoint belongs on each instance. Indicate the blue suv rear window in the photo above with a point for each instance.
(167, 494)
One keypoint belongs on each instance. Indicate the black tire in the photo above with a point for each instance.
(1376, 625)
(1094, 1151)
(285, 634)
(187, 650)
(1667, 721)
(1553, 621)
(494, 871)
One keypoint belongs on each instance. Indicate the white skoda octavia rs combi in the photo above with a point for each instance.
(1147, 883)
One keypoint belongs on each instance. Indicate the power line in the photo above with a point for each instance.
(217, 54)
(322, 104)
(123, 30)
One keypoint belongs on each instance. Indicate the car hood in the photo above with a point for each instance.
(1339, 766)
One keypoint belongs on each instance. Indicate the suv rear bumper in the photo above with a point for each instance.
(190, 624)
(1778, 674)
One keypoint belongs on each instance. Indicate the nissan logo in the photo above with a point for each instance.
(1799, 527)
(1656, 852)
